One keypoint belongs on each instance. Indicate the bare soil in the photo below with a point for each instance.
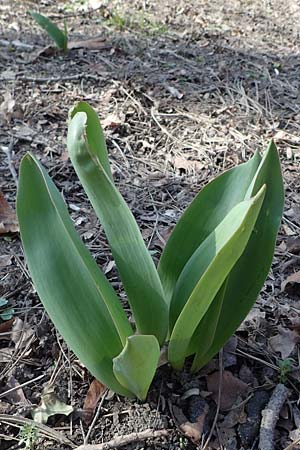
(186, 90)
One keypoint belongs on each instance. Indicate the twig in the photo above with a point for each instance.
(77, 76)
(270, 417)
(86, 439)
(16, 44)
(7, 151)
(18, 421)
(293, 445)
(219, 400)
(119, 441)
(19, 386)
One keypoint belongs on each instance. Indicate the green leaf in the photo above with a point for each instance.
(135, 265)
(202, 216)
(247, 277)
(49, 406)
(59, 37)
(205, 332)
(206, 271)
(136, 365)
(94, 134)
(78, 298)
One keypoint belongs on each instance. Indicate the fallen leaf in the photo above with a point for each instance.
(174, 92)
(284, 342)
(291, 285)
(6, 355)
(193, 430)
(50, 406)
(7, 107)
(8, 218)
(232, 387)
(95, 392)
(293, 245)
(113, 121)
(5, 260)
(91, 44)
(229, 352)
(5, 327)
(252, 320)
(17, 396)
(20, 333)
(187, 165)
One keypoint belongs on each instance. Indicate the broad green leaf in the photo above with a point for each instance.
(205, 332)
(206, 271)
(136, 365)
(136, 268)
(59, 37)
(247, 277)
(75, 293)
(94, 134)
(205, 212)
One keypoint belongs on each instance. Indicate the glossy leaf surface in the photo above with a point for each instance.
(201, 217)
(133, 260)
(75, 293)
(206, 271)
(135, 367)
(247, 277)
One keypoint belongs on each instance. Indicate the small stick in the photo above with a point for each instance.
(7, 151)
(119, 441)
(219, 401)
(270, 416)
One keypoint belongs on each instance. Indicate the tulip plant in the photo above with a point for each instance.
(59, 37)
(209, 275)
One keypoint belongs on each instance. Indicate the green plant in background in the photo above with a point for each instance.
(6, 312)
(209, 275)
(59, 37)
(28, 437)
(285, 367)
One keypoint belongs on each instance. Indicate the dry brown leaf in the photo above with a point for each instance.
(20, 333)
(8, 218)
(7, 107)
(91, 44)
(16, 396)
(293, 245)
(291, 284)
(174, 92)
(5, 260)
(193, 430)
(284, 342)
(6, 326)
(187, 165)
(95, 392)
(232, 387)
(113, 121)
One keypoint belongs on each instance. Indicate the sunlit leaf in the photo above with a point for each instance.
(206, 271)
(133, 260)
(136, 365)
(77, 296)
(247, 277)
(202, 216)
